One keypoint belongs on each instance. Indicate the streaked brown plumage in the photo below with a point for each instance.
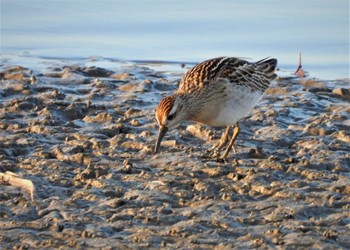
(216, 92)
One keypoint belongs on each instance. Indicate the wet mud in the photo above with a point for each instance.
(84, 137)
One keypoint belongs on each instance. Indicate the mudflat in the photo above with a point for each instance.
(78, 171)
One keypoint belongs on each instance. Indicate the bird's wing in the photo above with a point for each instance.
(255, 76)
(207, 72)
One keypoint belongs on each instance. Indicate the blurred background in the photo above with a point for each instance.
(41, 31)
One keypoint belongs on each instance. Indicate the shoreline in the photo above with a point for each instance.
(41, 63)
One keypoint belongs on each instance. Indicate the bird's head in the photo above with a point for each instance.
(169, 114)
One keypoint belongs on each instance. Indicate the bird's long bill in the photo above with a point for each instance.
(161, 133)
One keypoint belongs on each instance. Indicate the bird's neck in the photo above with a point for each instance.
(190, 104)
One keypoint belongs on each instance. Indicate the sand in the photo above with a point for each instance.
(83, 136)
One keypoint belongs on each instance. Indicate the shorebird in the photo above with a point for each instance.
(218, 92)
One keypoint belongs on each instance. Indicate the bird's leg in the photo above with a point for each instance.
(223, 141)
(225, 137)
(236, 130)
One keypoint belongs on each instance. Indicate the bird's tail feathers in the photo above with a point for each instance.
(268, 66)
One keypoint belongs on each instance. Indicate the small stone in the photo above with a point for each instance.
(342, 92)
(127, 167)
(135, 123)
(330, 234)
(85, 234)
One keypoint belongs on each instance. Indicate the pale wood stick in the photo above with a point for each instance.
(14, 180)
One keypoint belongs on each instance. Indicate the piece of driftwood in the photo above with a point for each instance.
(14, 180)
(300, 72)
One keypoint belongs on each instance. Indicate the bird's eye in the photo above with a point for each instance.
(171, 117)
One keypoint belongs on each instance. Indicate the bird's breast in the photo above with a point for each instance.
(227, 108)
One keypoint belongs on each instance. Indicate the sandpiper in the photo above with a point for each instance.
(218, 92)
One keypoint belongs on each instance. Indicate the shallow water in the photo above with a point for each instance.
(182, 31)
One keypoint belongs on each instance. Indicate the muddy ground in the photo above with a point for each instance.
(84, 137)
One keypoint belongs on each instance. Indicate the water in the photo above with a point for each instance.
(41, 31)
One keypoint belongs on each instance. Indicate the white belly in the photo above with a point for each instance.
(232, 108)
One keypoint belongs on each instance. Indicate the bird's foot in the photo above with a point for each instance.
(215, 152)
(214, 155)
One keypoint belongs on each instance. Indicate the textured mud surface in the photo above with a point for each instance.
(84, 137)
